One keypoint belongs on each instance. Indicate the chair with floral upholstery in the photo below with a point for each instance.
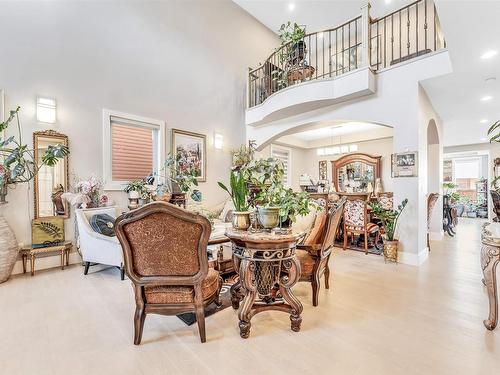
(356, 222)
(386, 202)
(165, 254)
(314, 253)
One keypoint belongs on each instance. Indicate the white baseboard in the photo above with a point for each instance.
(413, 259)
(436, 236)
(43, 263)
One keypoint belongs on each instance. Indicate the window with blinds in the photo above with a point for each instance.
(285, 155)
(134, 149)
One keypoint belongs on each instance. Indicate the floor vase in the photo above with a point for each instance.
(8, 250)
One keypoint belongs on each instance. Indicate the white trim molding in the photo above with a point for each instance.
(414, 259)
(107, 116)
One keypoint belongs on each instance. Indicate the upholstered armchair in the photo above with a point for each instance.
(95, 247)
(314, 255)
(356, 222)
(165, 252)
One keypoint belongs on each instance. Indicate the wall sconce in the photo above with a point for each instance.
(46, 110)
(218, 141)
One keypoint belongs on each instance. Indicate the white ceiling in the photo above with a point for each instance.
(471, 27)
(335, 131)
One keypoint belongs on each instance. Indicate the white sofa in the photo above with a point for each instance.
(95, 247)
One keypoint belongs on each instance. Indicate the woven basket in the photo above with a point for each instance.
(8, 250)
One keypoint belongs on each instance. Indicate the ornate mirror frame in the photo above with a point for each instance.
(352, 158)
(62, 139)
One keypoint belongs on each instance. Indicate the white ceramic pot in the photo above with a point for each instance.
(134, 194)
(9, 249)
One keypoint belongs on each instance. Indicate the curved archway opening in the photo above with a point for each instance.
(434, 172)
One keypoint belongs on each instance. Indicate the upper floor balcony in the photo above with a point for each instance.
(339, 64)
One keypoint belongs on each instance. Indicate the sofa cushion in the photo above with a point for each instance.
(103, 224)
(183, 294)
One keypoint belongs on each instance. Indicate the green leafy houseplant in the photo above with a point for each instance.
(293, 204)
(450, 190)
(389, 218)
(18, 161)
(137, 185)
(265, 176)
(291, 48)
(238, 192)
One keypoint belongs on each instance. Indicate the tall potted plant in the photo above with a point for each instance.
(291, 52)
(265, 176)
(17, 166)
(389, 219)
(239, 196)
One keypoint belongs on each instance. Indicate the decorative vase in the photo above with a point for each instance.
(8, 249)
(241, 220)
(378, 187)
(391, 250)
(268, 217)
(132, 194)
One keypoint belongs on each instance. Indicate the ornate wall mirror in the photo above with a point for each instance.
(354, 172)
(50, 182)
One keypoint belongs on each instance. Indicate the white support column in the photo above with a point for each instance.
(365, 35)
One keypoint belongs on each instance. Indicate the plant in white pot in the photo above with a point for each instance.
(17, 166)
(239, 196)
(135, 189)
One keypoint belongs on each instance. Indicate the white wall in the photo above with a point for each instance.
(184, 62)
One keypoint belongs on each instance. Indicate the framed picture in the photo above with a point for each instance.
(404, 164)
(192, 147)
(47, 231)
(323, 173)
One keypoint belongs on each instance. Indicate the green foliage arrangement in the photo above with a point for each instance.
(136, 185)
(18, 161)
(293, 204)
(389, 218)
(238, 192)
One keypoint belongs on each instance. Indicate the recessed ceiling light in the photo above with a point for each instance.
(291, 6)
(486, 98)
(489, 54)
(484, 121)
(388, 1)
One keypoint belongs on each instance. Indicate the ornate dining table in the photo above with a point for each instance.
(490, 257)
(267, 269)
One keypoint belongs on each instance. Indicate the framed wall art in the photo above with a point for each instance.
(47, 231)
(323, 172)
(404, 164)
(192, 148)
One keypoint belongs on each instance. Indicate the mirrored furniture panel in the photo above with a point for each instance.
(355, 173)
(50, 182)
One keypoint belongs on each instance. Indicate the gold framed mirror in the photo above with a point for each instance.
(50, 182)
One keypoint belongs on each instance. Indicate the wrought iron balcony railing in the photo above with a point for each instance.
(407, 33)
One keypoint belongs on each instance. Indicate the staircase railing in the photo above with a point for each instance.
(402, 35)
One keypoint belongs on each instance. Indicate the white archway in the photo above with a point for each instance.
(434, 177)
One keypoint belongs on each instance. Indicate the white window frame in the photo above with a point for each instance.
(107, 114)
(288, 182)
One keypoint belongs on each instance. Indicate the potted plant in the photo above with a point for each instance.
(389, 220)
(136, 189)
(265, 178)
(293, 204)
(494, 134)
(239, 196)
(17, 166)
(472, 210)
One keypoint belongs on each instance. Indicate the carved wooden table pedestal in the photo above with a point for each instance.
(267, 268)
(490, 256)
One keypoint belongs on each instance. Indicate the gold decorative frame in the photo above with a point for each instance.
(359, 157)
(63, 140)
(203, 139)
